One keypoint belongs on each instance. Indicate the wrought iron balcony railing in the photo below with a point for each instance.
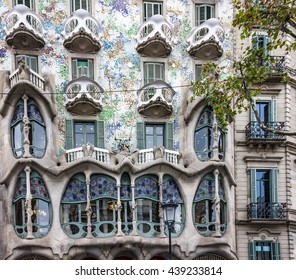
(253, 131)
(267, 210)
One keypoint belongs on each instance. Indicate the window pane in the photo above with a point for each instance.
(39, 139)
(90, 138)
(79, 128)
(159, 140)
(149, 130)
(79, 141)
(17, 136)
(149, 142)
(90, 128)
(43, 213)
(19, 211)
(159, 130)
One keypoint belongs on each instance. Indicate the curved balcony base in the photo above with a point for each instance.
(82, 43)
(156, 109)
(154, 47)
(206, 50)
(84, 106)
(22, 38)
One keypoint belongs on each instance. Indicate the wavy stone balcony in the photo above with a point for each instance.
(81, 33)
(156, 99)
(106, 156)
(24, 29)
(83, 96)
(154, 37)
(205, 41)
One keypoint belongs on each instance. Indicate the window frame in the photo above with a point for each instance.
(28, 61)
(87, 2)
(84, 133)
(147, 79)
(31, 7)
(198, 7)
(274, 245)
(75, 68)
(154, 4)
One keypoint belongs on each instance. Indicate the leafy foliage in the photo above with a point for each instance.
(230, 88)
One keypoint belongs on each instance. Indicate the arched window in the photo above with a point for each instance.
(36, 132)
(203, 137)
(147, 200)
(170, 191)
(73, 207)
(126, 204)
(205, 208)
(40, 206)
(103, 191)
(103, 202)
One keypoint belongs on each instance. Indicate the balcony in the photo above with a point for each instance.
(154, 37)
(24, 29)
(256, 135)
(81, 33)
(267, 211)
(25, 73)
(205, 41)
(156, 99)
(274, 66)
(83, 96)
(105, 156)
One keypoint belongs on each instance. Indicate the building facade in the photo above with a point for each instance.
(98, 129)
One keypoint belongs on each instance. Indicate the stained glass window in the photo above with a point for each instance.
(40, 206)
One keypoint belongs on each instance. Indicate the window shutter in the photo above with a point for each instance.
(74, 69)
(169, 136)
(274, 185)
(69, 134)
(273, 113)
(276, 250)
(252, 250)
(255, 42)
(140, 135)
(100, 131)
(253, 213)
(33, 63)
(91, 69)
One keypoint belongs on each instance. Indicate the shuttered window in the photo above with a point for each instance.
(155, 135)
(29, 3)
(79, 133)
(204, 12)
(151, 9)
(264, 250)
(153, 71)
(82, 67)
(80, 4)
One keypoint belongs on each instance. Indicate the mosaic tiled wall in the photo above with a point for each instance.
(118, 65)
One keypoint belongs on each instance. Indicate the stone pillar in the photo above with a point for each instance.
(162, 234)
(88, 205)
(215, 140)
(27, 127)
(28, 204)
(134, 208)
(119, 209)
(217, 205)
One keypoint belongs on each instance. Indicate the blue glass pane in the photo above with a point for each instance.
(75, 191)
(147, 187)
(103, 186)
(33, 113)
(170, 190)
(18, 113)
(21, 189)
(38, 188)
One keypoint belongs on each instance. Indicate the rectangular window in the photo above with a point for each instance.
(204, 12)
(82, 67)
(155, 135)
(267, 111)
(153, 71)
(84, 133)
(152, 8)
(264, 250)
(29, 3)
(30, 60)
(264, 197)
(80, 4)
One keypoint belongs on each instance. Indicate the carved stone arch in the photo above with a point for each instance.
(43, 100)
(126, 252)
